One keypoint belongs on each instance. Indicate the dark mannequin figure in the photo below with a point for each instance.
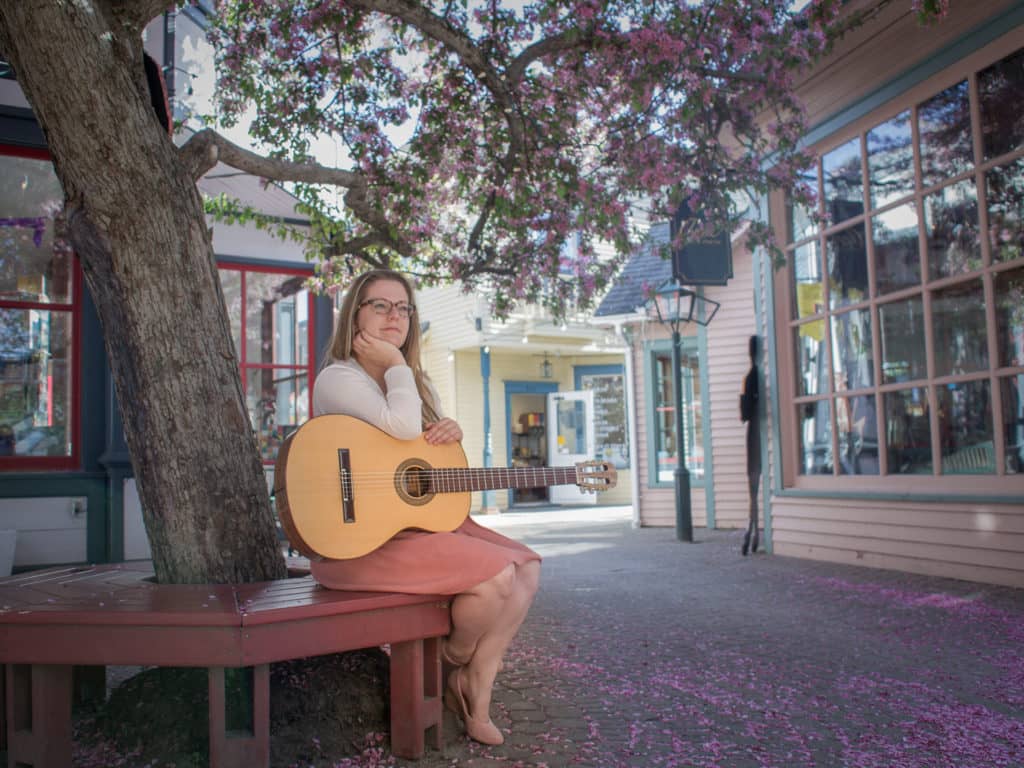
(750, 412)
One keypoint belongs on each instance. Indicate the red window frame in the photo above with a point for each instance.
(73, 461)
(244, 366)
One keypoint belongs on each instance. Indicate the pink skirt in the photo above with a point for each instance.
(424, 563)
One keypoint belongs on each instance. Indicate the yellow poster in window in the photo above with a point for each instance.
(810, 301)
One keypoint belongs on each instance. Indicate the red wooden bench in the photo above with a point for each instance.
(104, 615)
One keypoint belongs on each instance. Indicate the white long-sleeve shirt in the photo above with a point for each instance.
(344, 387)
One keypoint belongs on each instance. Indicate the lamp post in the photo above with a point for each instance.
(675, 306)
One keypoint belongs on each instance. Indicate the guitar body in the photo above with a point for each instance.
(342, 487)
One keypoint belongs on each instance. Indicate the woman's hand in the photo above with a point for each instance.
(375, 351)
(442, 432)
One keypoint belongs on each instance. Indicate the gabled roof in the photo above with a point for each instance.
(645, 268)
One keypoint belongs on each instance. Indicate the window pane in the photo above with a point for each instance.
(907, 432)
(811, 362)
(815, 438)
(693, 417)
(231, 285)
(852, 358)
(801, 217)
(1009, 289)
(891, 160)
(944, 124)
(609, 416)
(276, 319)
(807, 273)
(664, 417)
(35, 383)
(958, 313)
(1005, 189)
(897, 260)
(858, 435)
(278, 402)
(902, 332)
(34, 264)
(847, 267)
(951, 226)
(1000, 94)
(965, 429)
(1013, 422)
(844, 187)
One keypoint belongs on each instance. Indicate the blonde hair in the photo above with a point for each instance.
(340, 347)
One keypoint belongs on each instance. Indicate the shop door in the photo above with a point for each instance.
(570, 440)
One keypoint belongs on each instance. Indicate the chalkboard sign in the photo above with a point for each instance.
(610, 435)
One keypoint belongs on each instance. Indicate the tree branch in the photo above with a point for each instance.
(136, 14)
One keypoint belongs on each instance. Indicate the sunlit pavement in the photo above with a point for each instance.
(644, 651)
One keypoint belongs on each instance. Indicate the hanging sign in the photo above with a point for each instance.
(701, 262)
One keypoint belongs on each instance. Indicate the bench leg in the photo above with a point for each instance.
(416, 697)
(38, 714)
(234, 749)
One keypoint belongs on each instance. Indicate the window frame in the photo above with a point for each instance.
(689, 347)
(246, 268)
(788, 317)
(73, 460)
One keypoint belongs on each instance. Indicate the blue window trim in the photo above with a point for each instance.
(579, 371)
(690, 345)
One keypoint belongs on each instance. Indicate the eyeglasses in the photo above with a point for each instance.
(384, 307)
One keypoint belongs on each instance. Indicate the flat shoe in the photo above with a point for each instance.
(483, 731)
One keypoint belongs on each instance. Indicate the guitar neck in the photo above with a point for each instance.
(496, 478)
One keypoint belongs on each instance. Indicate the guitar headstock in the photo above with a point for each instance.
(594, 476)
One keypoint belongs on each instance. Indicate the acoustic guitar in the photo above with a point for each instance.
(342, 487)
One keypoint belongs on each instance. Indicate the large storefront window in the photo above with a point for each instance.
(270, 311)
(610, 427)
(664, 424)
(38, 318)
(907, 313)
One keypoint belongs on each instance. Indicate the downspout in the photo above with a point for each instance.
(634, 453)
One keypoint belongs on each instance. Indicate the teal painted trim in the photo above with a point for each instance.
(897, 497)
(705, 409)
(579, 371)
(521, 388)
(652, 348)
(979, 37)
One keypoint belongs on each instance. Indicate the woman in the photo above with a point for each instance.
(373, 373)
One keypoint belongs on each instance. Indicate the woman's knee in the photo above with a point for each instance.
(503, 585)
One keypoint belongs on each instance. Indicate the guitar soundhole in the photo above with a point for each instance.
(412, 481)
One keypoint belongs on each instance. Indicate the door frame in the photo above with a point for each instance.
(522, 388)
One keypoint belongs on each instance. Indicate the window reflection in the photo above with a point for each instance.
(908, 439)
(847, 267)
(857, 429)
(1000, 94)
(965, 428)
(811, 361)
(891, 160)
(844, 187)
(902, 331)
(278, 402)
(1013, 422)
(1009, 292)
(897, 255)
(944, 125)
(815, 438)
(1005, 191)
(35, 383)
(951, 226)
(276, 318)
(958, 315)
(852, 359)
(802, 218)
(231, 285)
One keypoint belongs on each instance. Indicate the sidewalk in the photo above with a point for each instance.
(644, 651)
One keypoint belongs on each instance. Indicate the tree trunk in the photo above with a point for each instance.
(135, 219)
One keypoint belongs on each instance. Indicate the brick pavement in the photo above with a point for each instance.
(644, 651)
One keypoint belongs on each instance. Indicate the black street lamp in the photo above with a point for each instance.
(676, 305)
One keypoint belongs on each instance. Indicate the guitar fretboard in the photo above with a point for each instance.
(494, 478)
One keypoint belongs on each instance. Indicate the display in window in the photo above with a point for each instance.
(958, 317)
(902, 332)
(809, 295)
(811, 359)
(847, 267)
(1009, 293)
(815, 430)
(908, 439)
(951, 228)
(965, 428)
(852, 356)
(857, 432)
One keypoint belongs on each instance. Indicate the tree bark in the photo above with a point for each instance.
(136, 221)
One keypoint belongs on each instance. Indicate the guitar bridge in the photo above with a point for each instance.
(348, 512)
